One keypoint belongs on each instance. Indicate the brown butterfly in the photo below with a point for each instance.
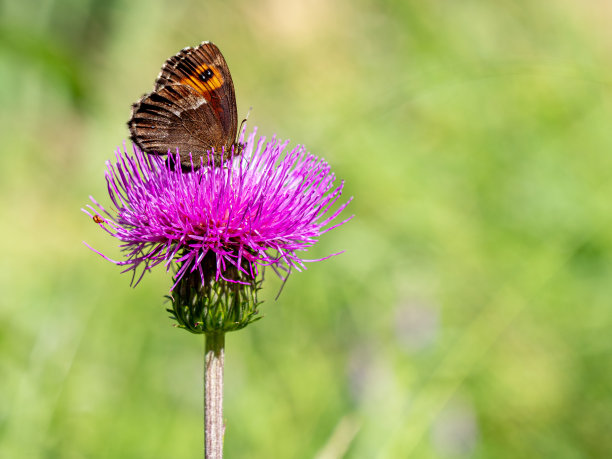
(192, 108)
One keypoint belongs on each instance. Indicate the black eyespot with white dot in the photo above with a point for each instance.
(206, 75)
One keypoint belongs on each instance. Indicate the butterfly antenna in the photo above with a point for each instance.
(243, 123)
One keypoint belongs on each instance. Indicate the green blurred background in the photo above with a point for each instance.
(470, 314)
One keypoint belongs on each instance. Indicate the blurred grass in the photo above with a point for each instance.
(470, 315)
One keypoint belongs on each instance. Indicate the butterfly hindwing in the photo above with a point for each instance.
(175, 117)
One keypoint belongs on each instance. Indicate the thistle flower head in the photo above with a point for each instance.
(219, 224)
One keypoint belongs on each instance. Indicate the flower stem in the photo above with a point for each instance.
(213, 395)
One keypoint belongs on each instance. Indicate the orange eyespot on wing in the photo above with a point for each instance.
(205, 79)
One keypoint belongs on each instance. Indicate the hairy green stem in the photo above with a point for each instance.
(213, 395)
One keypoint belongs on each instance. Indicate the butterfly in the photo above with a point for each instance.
(192, 108)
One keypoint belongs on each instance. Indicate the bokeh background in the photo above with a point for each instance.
(470, 315)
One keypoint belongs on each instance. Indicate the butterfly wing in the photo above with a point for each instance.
(192, 107)
(175, 116)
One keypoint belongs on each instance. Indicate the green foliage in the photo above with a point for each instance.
(470, 314)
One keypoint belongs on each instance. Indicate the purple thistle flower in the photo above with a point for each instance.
(259, 209)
